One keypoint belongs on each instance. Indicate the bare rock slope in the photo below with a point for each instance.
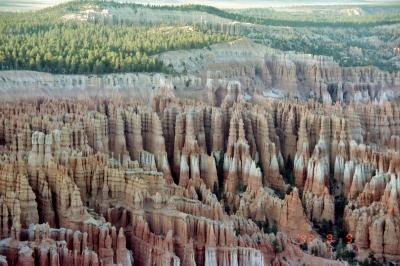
(209, 73)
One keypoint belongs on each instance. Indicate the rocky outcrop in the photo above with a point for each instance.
(113, 181)
(317, 199)
(237, 71)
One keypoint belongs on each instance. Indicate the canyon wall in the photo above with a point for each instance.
(104, 181)
(242, 160)
(209, 72)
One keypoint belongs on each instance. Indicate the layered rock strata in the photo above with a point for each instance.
(116, 182)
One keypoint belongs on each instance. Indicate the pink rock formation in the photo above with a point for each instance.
(188, 184)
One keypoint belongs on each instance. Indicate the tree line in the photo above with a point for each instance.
(40, 41)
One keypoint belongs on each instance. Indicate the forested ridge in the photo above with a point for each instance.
(267, 17)
(325, 17)
(46, 41)
(43, 41)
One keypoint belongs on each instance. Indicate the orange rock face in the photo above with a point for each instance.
(115, 182)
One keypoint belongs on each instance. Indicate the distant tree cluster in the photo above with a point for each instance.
(268, 16)
(283, 19)
(75, 47)
(323, 33)
(374, 16)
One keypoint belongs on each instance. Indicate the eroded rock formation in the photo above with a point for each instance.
(246, 155)
(240, 181)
